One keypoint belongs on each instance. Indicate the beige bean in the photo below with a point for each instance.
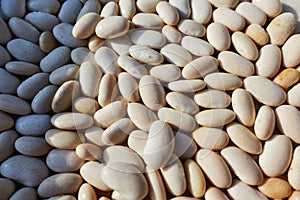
(104, 28)
(14, 105)
(87, 151)
(183, 8)
(271, 7)
(214, 167)
(231, 63)
(264, 123)
(65, 73)
(109, 9)
(218, 36)
(187, 85)
(171, 34)
(242, 137)
(165, 72)
(287, 78)
(185, 147)
(201, 11)
(147, 20)
(47, 41)
(269, 61)
(195, 179)
(91, 173)
(72, 121)
(95, 43)
(62, 139)
(276, 156)
(200, 67)
(156, 185)
(128, 87)
(127, 8)
(223, 81)
(59, 197)
(281, 27)
(293, 97)
(176, 54)
(126, 180)
(106, 58)
(294, 195)
(122, 154)
(149, 38)
(132, 66)
(267, 93)
(211, 138)
(32, 146)
(258, 34)
(244, 45)
(8, 82)
(137, 141)
(251, 13)
(159, 147)
(147, 6)
(227, 4)
(82, 54)
(167, 13)
(146, 55)
(182, 102)
(239, 189)
(89, 6)
(275, 188)
(229, 18)
(86, 25)
(110, 113)
(86, 192)
(243, 165)
(89, 79)
(290, 51)
(107, 89)
(93, 135)
(182, 121)
(215, 117)
(197, 46)
(191, 28)
(215, 193)
(210, 98)
(293, 171)
(243, 106)
(152, 92)
(174, 176)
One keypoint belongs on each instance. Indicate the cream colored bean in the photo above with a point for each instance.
(243, 165)
(87, 151)
(200, 67)
(107, 89)
(201, 11)
(218, 36)
(267, 93)
(93, 6)
(293, 97)
(251, 13)
(197, 46)
(240, 190)
(85, 26)
(191, 28)
(93, 135)
(120, 45)
(146, 55)
(33, 125)
(215, 117)
(271, 7)
(244, 45)
(147, 6)
(72, 121)
(183, 121)
(156, 185)
(258, 34)
(159, 147)
(63, 74)
(128, 87)
(187, 85)
(242, 137)
(294, 195)
(212, 99)
(86, 192)
(86, 105)
(174, 176)
(181, 102)
(165, 72)
(127, 180)
(223, 81)
(195, 179)
(290, 51)
(149, 38)
(281, 27)
(82, 54)
(229, 18)
(243, 106)
(171, 33)
(232, 62)
(276, 156)
(214, 193)
(275, 188)
(167, 13)
(137, 141)
(127, 8)
(132, 66)
(227, 4)
(118, 132)
(5, 55)
(152, 92)
(106, 58)
(183, 8)
(293, 171)
(211, 138)
(214, 167)
(269, 61)
(264, 123)
(112, 27)
(176, 54)
(109, 9)
(287, 78)
(185, 147)
(147, 20)
(62, 139)
(141, 116)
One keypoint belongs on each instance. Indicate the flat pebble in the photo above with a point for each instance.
(65, 73)
(5, 56)
(62, 139)
(14, 105)
(215, 117)
(7, 187)
(51, 6)
(32, 146)
(41, 103)
(258, 34)
(26, 193)
(42, 21)
(59, 184)
(7, 140)
(24, 50)
(6, 121)
(32, 85)
(81, 54)
(211, 98)
(55, 59)
(89, 6)
(211, 138)
(47, 41)
(287, 78)
(5, 32)
(22, 68)
(13, 8)
(267, 93)
(104, 28)
(33, 172)
(275, 188)
(218, 36)
(87, 151)
(69, 11)
(281, 146)
(72, 121)
(223, 81)
(33, 125)
(290, 57)
(264, 123)
(8, 82)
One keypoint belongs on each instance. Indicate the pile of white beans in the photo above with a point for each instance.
(149, 99)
